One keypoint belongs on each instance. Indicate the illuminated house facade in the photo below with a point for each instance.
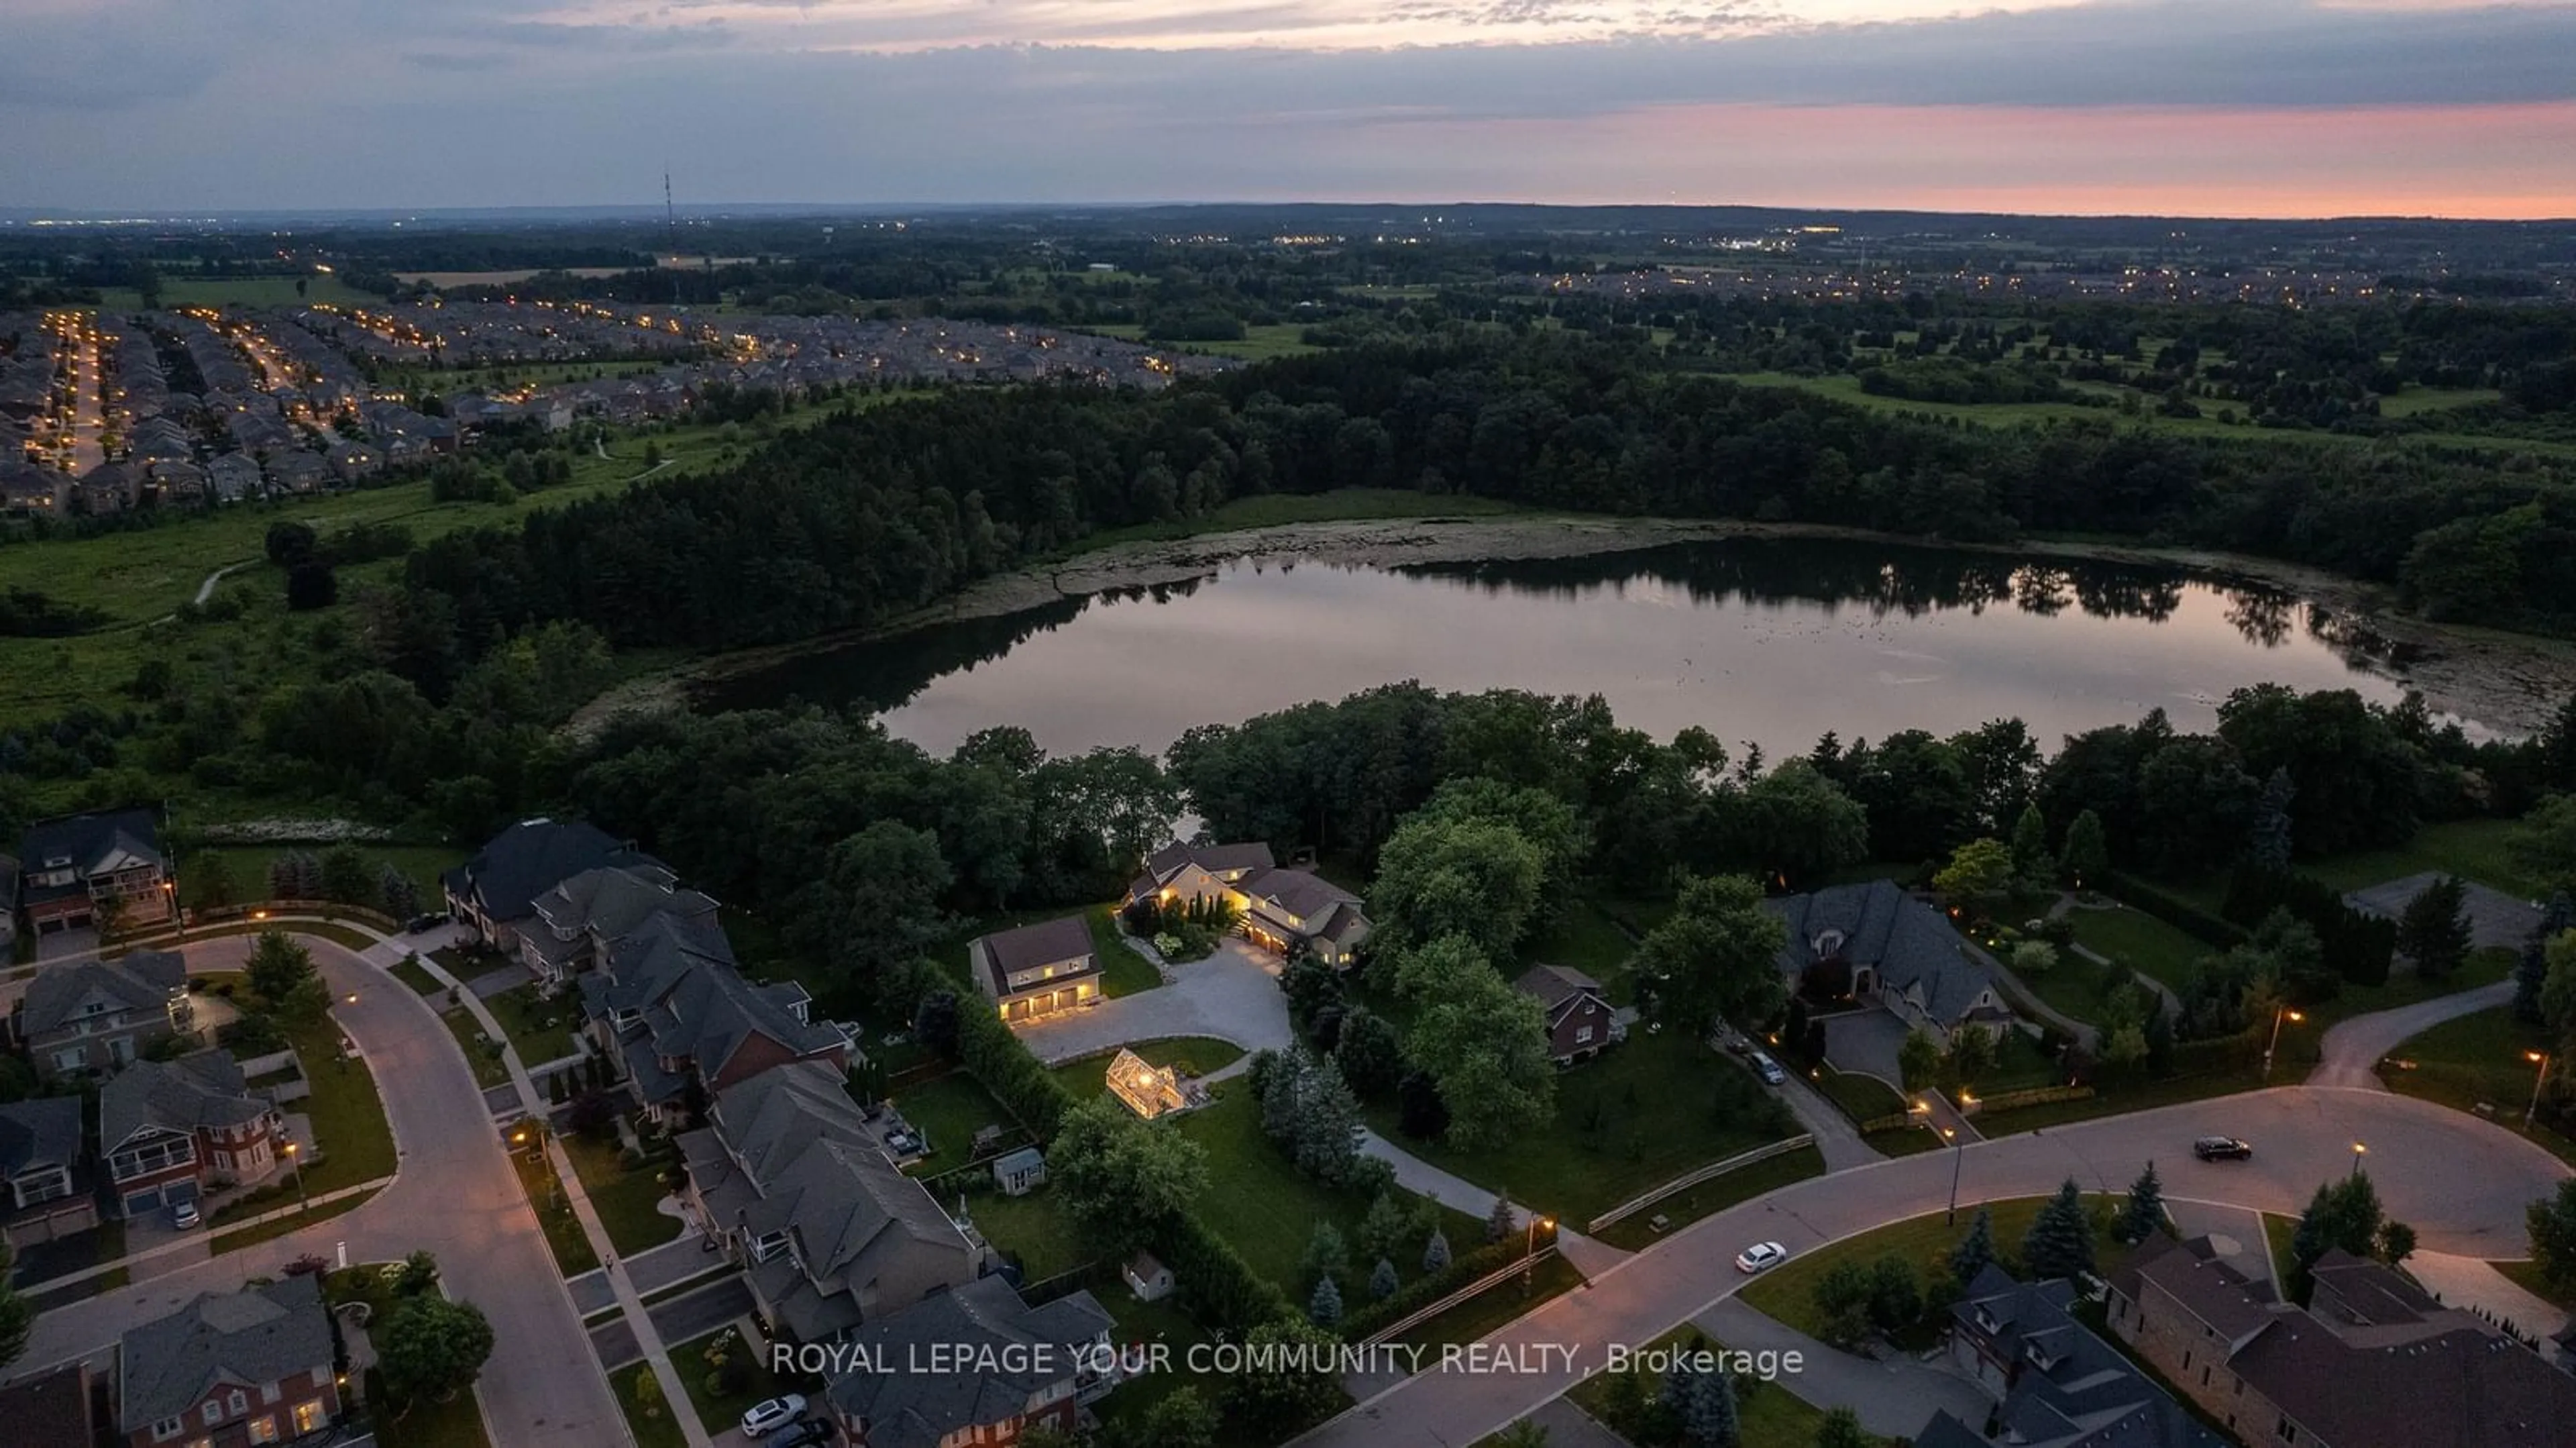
(1281, 908)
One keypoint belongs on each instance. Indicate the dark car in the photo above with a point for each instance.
(420, 923)
(806, 1433)
(2221, 1148)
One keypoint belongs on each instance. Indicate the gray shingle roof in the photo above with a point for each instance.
(2089, 1395)
(260, 1335)
(1003, 952)
(918, 1410)
(204, 1089)
(46, 1130)
(86, 841)
(533, 856)
(141, 981)
(1884, 929)
(1215, 859)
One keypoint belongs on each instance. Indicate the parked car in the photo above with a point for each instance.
(1768, 1069)
(2221, 1148)
(184, 1215)
(768, 1416)
(420, 923)
(1760, 1257)
(805, 1433)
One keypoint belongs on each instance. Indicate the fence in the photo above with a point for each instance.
(1635, 1205)
(1481, 1285)
(2035, 1096)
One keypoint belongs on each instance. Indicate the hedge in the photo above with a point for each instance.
(1420, 1293)
(1217, 1282)
(2181, 914)
(2035, 1096)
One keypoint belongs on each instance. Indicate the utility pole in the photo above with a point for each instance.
(671, 231)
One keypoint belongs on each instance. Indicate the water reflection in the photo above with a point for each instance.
(1774, 641)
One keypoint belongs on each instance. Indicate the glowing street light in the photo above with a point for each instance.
(2358, 1152)
(2284, 1013)
(2538, 1080)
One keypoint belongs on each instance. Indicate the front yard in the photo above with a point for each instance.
(628, 1200)
(348, 1116)
(648, 1415)
(719, 1410)
(1770, 1416)
(564, 1236)
(1639, 1115)
(541, 1029)
(1787, 1294)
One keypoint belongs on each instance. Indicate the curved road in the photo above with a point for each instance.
(454, 1194)
(2353, 1050)
(2461, 1182)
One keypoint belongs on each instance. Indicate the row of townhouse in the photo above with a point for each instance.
(786, 1171)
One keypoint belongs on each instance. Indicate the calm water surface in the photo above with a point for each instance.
(1767, 641)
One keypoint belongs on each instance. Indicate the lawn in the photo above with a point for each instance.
(320, 289)
(2478, 1060)
(1862, 1098)
(1584, 937)
(1786, 1294)
(1471, 1320)
(1770, 1417)
(628, 1202)
(1033, 1228)
(564, 1236)
(1122, 970)
(719, 1411)
(541, 1029)
(1639, 1115)
(348, 1117)
(2137, 940)
(2472, 849)
(2079, 987)
(411, 973)
(653, 1427)
(456, 1423)
(237, 1239)
(1635, 1233)
(245, 867)
(950, 1110)
(1194, 1055)
(482, 1053)
(2122, 1099)
(1260, 1205)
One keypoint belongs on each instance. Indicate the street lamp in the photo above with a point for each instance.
(2282, 1013)
(1529, 1248)
(2542, 1057)
(1958, 1159)
(303, 1199)
(2358, 1151)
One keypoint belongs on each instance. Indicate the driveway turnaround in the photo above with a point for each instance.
(454, 1194)
(1232, 995)
(2462, 1182)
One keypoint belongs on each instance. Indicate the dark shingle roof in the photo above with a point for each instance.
(2088, 1395)
(47, 1129)
(260, 1335)
(2224, 1299)
(86, 841)
(1555, 984)
(1005, 951)
(920, 1410)
(142, 981)
(1884, 929)
(533, 856)
(204, 1089)
(50, 1409)
(2463, 1389)
(1215, 859)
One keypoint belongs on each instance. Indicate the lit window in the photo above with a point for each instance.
(309, 1416)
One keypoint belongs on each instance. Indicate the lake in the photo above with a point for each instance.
(1769, 641)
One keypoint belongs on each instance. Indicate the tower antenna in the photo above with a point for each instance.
(671, 231)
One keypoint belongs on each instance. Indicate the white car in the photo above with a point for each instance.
(1760, 1257)
(768, 1417)
(183, 1215)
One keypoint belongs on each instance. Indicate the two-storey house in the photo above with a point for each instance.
(1282, 909)
(669, 1005)
(494, 894)
(1037, 970)
(231, 1370)
(1580, 1018)
(170, 1131)
(2054, 1383)
(577, 919)
(76, 868)
(91, 1017)
(44, 1180)
(799, 1190)
(1018, 1368)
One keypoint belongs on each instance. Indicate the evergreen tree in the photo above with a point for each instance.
(2434, 930)
(2145, 1214)
(1324, 1309)
(1386, 1227)
(2272, 825)
(1327, 1255)
(1975, 1250)
(2060, 1243)
(1435, 1253)
(1500, 1223)
(1709, 1416)
(1382, 1280)
(2531, 972)
(2032, 864)
(2088, 854)
(1841, 1429)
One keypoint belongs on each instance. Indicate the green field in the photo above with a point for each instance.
(320, 288)
(2479, 1061)
(2415, 401)
(2137, 940)
(2479, 850)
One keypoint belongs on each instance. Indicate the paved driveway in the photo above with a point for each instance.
(455, 1195)
(2352, 1050)
(2462, 1182)
(1867, 1042)
(1232, 995)
(2495, 918)
(1894, 1399)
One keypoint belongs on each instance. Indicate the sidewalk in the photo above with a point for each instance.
(1591, 1258)
(203, 1237)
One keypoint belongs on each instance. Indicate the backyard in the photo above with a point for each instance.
(1193, 1055)
(1033, 1228)
(1640, 1115)
(949, 1110)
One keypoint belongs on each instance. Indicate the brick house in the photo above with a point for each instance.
(798, 1190)
(1037, 970)
(1580, 1019)
(1025, 1367)
(94, 1016)
(2372, 1362)
(73, 866)
(170, 1131)
(231, 1370)
(668, 1004)
(494, 893)
(2054, 1383)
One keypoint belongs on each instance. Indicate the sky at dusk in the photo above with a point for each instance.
(2195, 107)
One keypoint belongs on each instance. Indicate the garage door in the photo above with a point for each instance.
(143, 1203)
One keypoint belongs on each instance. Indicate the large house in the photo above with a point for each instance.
(1877, 944)
(94, 1016)
(1021, 1367)
(44, 1184)
(495, 892)
(77, 866)
(1281, 908)
(170, 1131)
(796, 1187)
(577, 918)
(1580, 1019)
(2373, 1361)
(669, 1005)
(1036, 970)
(51, 1408)
(231, 1370)
(2054, 1383)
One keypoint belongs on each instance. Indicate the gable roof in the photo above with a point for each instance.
(2361, 1293)
(676, 972)
(142, 980)
(50, 1409)
(2225, 1300)
(1004, 952)
(533, 856)
(1166, 862)
(256, 1336)
(1881, 927)
(985, 1318)
(2088, 1395)
(1557, 986)
(91, 844)
(44, 1131)
(202, 1089)
(2465, 1388)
